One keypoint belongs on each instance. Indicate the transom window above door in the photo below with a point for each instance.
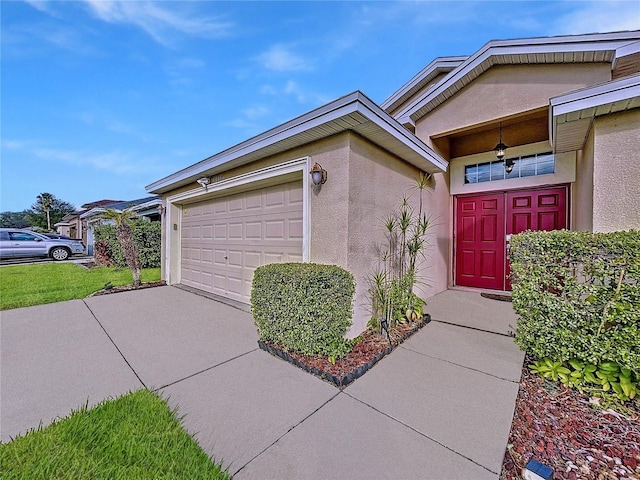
(525, 166)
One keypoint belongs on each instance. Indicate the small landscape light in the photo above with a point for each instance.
(535, 470)
(384, 325)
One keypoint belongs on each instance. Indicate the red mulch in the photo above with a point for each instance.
(371, 344)
(559, 428)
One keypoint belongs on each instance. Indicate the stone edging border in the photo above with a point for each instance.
(342, 382)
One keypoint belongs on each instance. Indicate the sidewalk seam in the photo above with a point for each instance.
(459, 365)
(287, 432)
(114, 344)
(204, 370)
(421, 433)
(473, 328)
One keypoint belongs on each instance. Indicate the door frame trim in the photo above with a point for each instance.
(454, 259)
(173, 210)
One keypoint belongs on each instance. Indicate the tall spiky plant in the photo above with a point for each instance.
(391, 286)
(124, 233)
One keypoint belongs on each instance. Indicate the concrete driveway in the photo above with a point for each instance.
(439, 407)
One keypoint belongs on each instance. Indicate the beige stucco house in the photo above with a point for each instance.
(567, 108)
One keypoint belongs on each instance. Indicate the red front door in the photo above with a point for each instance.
(480, 241)
(484, 222)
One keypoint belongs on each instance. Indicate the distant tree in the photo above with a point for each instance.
(15, 219)
(124, 232)
(48, 210)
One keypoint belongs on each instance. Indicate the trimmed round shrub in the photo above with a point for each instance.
(304, 307)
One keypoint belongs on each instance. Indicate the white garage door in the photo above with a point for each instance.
(225, 239)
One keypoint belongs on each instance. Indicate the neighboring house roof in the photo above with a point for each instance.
(98, 203)
(354, 112)
(599, 47)
(571, 115)
(135, 205)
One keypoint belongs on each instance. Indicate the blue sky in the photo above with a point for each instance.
(100, 98)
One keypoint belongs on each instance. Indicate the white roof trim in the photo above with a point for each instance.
(422, 156)
(587, 103)
(436, 67)
(486, 57)
(625, 51)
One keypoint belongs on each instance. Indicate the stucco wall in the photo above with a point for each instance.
(376, 183)
(582, 191)
(505, 91)
(616, 172)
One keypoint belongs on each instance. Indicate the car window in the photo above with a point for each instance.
(23, 237)
(4, 236)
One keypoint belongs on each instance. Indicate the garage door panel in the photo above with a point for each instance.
(295, 229)
(222, 248)
(274, 199)
(235, 231)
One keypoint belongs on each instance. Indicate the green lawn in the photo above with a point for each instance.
(28, 285)
(133, 437)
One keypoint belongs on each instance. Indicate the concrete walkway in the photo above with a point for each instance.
(439, 407)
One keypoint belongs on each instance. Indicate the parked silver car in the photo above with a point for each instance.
(15, 242)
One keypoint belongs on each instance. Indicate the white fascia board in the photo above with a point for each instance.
(323, 114)
(391, 126)
(438, 65)
(610, 92)
(565, 44)
(352, 103)
(587, 98)
(624, 51)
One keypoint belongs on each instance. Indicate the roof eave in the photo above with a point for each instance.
(578, 109)
(608, 42)
(414, 150)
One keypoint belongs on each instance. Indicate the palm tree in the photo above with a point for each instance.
(122, 220)
(44, 200)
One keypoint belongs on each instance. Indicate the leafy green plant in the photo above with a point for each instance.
(577, 295)
(607, 379)
(146, 235)
(550, 369)
(391, 285)
(304, 307)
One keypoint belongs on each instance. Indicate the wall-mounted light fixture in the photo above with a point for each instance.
(204, 181)
(318, 174)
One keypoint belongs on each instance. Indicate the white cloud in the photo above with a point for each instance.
(159, 21)
(304, 96)
(280, 58)
(598, 17)
(116, 161)
(256, 112)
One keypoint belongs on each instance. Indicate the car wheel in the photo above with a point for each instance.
(59, 253)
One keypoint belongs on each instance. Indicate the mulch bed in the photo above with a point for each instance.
(558, 427)
(126, 288)
(372, 347)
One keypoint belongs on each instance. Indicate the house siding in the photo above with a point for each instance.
(616, 171)
(507, 91)
(582, 193)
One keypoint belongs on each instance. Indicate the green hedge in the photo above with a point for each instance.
(578, 295)
(304, 307)
(148, 239)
